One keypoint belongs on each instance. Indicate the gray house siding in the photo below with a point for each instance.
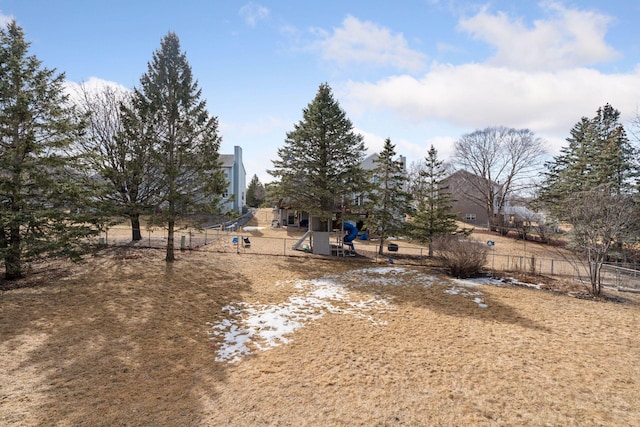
(236, 175)
(466, 199)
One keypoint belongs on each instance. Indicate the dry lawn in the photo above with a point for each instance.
(123, 340)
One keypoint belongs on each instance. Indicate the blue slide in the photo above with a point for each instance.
(352, 233)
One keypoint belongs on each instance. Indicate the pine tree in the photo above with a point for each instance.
(185, 138)
(43, 199)
(388, 202)
(433, 214)
(617, 165)
(318, 168)
(598, 153)
(256, 192)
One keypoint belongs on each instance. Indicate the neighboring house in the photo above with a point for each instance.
(468, 203)
(466, 196)
(517, 212)
(235, 197)
(370, 163)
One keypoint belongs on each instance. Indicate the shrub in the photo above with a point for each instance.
(461, 256)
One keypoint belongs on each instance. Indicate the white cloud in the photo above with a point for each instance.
(364, 42)
(93, 86)
(568, 38)
(374, 143)
(476, 96)
(253, 12)
(414, 151)
(5, 20)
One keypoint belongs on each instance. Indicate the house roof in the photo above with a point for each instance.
(227, 160)
(465, 175)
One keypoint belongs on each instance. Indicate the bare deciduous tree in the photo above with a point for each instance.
(121, 161)
(601, 218)
(502, 161)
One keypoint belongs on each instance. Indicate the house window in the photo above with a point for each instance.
(470, 217)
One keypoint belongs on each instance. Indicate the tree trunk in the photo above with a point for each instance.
(595, 276)
(380, 251)
(13, 259)
(135, 227)
(430, 245)
(170, 256)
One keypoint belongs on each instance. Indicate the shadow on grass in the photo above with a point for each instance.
(416, 294)
(125, 340)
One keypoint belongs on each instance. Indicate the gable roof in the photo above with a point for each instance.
(227, 160)
(466, 176)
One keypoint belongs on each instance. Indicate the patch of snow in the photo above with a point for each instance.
(480, 302)
(513, 281)
(250, 327)
(462, 288)
(477, 281)
(265, 326)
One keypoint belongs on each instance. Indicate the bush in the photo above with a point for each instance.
(461, 256)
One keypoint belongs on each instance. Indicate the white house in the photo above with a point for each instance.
(235, 197)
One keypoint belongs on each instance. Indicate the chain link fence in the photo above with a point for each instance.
(230, 238)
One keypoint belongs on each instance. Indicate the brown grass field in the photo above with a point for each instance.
(125, 340)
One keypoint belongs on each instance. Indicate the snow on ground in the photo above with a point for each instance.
(496, 281)
(250, 327)
(462, 288)
(464, 284)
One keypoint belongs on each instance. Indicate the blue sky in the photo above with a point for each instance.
(420, 72)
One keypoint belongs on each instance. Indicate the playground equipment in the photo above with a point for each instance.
(307, 235)
(317, 238)
(352, 232)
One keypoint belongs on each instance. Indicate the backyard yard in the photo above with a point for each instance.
(253, 340)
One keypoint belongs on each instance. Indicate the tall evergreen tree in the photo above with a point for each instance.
(598, 153)
(43, 201)
(256, 193)
(318, 168)
(170, 112)
(433, 214)
(388, 201)
(616, 155)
